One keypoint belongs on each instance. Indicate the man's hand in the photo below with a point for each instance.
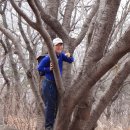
(68, 54)
(51, 66)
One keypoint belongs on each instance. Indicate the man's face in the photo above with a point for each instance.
(58, 48)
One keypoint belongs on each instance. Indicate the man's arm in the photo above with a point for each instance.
(44, 64)
(67, 57)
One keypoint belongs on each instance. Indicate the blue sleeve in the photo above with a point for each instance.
(67, 59)
(44, 64)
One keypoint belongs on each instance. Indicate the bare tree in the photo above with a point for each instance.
(104, 48)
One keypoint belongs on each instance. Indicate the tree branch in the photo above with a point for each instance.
(46, 37)
(52, 9)
(32, 57)
(4, 46)
(2, 1)
(21, 13)
(54, 61)
(104, 101)
(33, 85)
(67, 15)
(106, 63)
(3, 72)
(36, 12)
(2, 64)
(25, 37)
(2, 11)
(121, 48)
(12, 62)
(52, 22)
(103, 27)
(15, 42)
(86, 24)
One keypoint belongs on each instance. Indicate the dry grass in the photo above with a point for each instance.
(30, 124)
(109, 126)
(21, 123)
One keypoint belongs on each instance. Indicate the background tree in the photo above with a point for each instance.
(94, 29)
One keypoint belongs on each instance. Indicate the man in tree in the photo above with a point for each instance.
(49, 89)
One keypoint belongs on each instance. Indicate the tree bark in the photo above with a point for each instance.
(103, 27)
(104, 101)
(86, 24)
(67, 15)
(52, 9)
(110, 11)
(107, 62)
(52, 22)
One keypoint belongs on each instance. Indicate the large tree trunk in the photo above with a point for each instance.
(70, 99)
(110, 11)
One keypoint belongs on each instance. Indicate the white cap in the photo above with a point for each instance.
(57, 41)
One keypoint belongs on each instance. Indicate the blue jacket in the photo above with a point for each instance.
(44, 65)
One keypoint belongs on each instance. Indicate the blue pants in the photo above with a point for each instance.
(49, 94)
